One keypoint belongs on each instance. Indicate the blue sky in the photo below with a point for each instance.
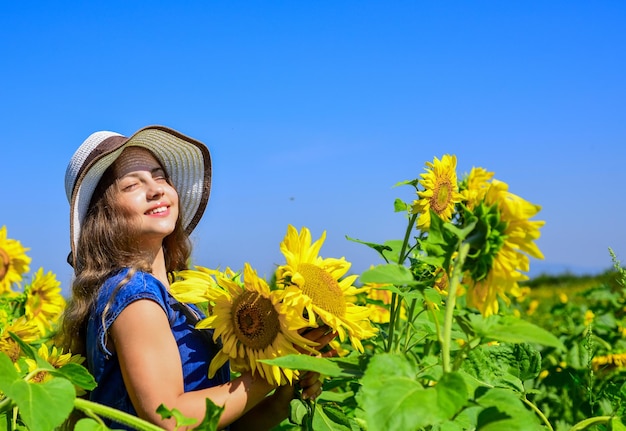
(314, 110)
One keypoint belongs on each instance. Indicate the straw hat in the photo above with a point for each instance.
(187, 162)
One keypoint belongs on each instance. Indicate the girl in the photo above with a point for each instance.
(133, 203)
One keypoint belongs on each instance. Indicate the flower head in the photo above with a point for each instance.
(474, 187)
(54, 357)
(509, 241)
(440, 191)
(44, 302)
(13, 261)
(24, 328)
(314, 286)
(251, 321)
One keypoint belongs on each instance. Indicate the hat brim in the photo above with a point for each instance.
(186, 160)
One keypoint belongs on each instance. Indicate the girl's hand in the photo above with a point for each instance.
(322, 335)
(310, 381)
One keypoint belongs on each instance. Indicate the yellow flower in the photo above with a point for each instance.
(315, 288)
(474, 187)
(563, 298)
(44, 302)
(24, 328)
(13, 261)
(54, 357)
(511, 261)
(609, 362)
(532, 307)
(441, 191)
(251, 321)
(378, 300)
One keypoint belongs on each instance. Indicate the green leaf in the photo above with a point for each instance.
(451, 394)
(88, 424)
(388, 274)
(504, 410)
(43, 406)
(617, 424)
(330, 367)
(400, 206)
(511, 329)
(209, 423)
(8, 373)
(181, 420)
(298, 411)
(322, 422)
(378, 247)
(391, 397)
(77, 374)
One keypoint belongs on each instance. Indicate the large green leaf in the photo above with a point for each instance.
(451, 394)
(511, 329)
(8, 373)
(43, 406)
(504, 410)
(391, 398)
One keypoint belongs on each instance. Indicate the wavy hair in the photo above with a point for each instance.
(108, 242)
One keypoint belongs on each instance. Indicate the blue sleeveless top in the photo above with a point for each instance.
(196, 349)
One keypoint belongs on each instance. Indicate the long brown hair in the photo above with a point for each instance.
(107, 243)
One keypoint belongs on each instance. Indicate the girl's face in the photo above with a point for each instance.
(144, 192)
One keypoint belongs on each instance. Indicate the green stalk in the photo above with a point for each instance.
(392, 321)
(5, 403)
(539, 413)
(395, 306)
(455, 279)
(584, 424)
(114, 414)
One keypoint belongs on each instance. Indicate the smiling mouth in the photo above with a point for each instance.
(157, 210)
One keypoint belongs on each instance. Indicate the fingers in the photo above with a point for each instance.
(311, 385)
(321, 335)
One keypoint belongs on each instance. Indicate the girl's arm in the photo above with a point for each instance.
(152, 371)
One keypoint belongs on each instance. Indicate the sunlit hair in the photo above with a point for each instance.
(108, 242)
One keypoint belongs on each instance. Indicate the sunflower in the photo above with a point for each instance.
(24, 328)
(54, 357)
(474, 187)
(441, 191)
(44, 302)
(314, 287)
(609, 362)
(378, 300)
(251, 321)
(516, 243)
(13, 261)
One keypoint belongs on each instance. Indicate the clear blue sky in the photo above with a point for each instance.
(314, 110)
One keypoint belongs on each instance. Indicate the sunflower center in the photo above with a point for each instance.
(255, 320)
(323, 289)
(5, 261)
(441, 196)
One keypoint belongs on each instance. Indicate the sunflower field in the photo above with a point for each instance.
(445, 332)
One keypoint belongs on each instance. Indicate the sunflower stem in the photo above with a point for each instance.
(395, 300)
(455, 279)
(117, 415)
(392, 321)
(539, 413)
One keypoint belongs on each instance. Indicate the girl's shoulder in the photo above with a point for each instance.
(126, 286)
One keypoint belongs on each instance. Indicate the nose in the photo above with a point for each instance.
(155, 190)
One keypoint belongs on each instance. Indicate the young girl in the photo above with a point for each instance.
(133, 203)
